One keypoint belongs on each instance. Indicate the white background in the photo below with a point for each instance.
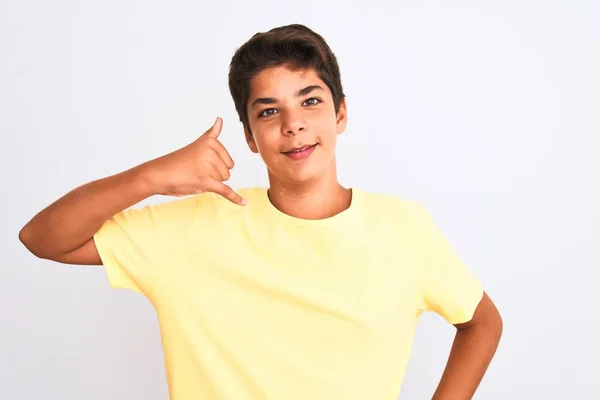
(486, 111)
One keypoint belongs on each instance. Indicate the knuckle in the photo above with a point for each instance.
(210, 156)
(205, 168)
(204, 152)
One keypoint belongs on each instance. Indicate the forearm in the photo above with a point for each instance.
(73, 219)
(470, 356)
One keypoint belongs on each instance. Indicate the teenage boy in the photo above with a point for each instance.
(302, 290)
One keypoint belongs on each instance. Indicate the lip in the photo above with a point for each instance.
(300, 155)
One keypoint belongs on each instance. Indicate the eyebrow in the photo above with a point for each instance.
(273, 100)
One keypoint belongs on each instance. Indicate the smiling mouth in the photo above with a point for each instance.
(299, 149)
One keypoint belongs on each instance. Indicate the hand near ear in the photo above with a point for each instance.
(201, 166)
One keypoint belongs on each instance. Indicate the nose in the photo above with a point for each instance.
(293, 123)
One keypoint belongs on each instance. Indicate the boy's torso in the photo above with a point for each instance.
(260, 305)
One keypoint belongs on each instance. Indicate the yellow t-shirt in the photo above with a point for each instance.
(255, 304)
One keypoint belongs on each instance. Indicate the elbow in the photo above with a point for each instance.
(27, 238)
(499, 326)
(493, 326)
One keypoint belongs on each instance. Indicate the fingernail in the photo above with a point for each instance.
(244, 202)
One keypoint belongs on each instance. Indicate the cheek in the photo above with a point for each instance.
(329, 143)
(325, 120)
(267, 140)
(327, 130)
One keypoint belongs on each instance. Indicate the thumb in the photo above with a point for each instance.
(215, 130)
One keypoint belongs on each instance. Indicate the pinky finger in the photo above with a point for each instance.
(227, 192)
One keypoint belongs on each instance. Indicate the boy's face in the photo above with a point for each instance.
(290, 110)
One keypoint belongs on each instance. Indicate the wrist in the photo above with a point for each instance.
(147, 180)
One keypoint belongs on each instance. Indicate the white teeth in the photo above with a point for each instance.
(300, 149)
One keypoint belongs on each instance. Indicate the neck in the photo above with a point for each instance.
(318, 199)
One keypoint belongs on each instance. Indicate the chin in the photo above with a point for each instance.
(302, 173)
(300, 177)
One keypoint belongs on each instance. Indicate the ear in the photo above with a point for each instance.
(250, 140)
(342, 117)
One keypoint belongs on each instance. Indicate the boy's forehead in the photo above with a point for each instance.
(282, 81)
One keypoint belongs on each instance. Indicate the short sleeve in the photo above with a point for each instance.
(448, 287)
(138, 244)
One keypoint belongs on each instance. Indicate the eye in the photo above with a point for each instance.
(313, 101)
(267, 112)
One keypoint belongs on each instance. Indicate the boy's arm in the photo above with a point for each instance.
(64, 230)
(474, 346)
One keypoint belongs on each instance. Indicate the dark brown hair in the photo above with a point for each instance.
(293, 45)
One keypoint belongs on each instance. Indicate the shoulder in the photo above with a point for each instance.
(386, 213)
(215, 205)
(410, 214)
(160, 208)
(185, 208)
(209, 199)
(377, 203)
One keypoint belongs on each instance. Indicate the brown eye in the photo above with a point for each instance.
(313, 101)
(267, 112)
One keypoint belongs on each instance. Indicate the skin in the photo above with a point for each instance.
(287, 109)
(474, 346)
(280, 120)
(63, 231)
